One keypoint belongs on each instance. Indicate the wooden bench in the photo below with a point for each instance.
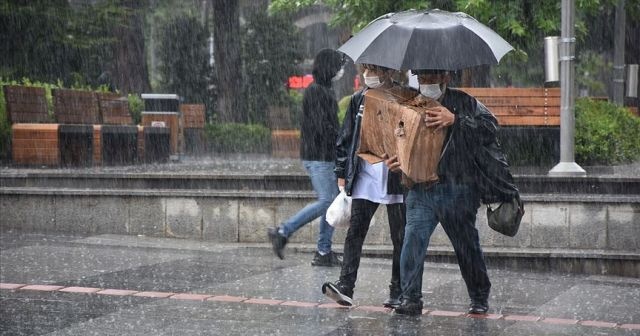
(193, 121)
(34, 137)
(521, 106)
(78, 113)
(285, 143)
(285, 137)
(529, 121)
(118, 136)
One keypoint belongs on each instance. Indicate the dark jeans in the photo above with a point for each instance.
(361, 213)
(455, 206)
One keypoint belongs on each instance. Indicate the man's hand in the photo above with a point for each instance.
(439, 117)
(392, 163)
(341, 183)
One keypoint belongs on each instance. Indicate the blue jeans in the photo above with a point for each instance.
(325, 184)
(455, 206)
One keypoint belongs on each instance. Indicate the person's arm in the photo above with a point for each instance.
(477, 122)
(345, 137)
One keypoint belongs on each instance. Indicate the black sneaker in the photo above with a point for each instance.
(330, 259)
(394, 297)
(478, 307)
(408, 307)
(338, 293)
(278, 242)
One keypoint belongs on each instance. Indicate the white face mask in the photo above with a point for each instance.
(338, 75)
(372, 82)
(432, 91)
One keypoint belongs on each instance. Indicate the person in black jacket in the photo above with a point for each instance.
(453, 200)
(318, 132)
(369, 185)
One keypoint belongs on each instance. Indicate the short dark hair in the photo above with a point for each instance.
(429, 72)
(374, 67)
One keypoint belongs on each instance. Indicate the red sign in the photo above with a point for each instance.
(300, 82)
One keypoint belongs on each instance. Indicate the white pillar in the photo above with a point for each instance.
(567, 165)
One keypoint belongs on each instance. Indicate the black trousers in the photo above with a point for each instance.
(361, 213)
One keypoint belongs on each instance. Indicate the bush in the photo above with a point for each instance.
(5, 128)
(295, 107)
(135, 107)
(238, 138)
(605, 133)
(343, 105)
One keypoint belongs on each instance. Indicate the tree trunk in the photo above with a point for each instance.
(227, 60)
(129, 66)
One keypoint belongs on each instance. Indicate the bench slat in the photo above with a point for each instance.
(528, 120)
(35, 143)
(524, 111)
(512, 92)
(518, 101)
(26, 104)
(193, 115)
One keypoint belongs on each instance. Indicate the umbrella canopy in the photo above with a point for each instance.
(431, 39)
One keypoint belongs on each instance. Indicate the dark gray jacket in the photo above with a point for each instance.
(471, 153)
(319, 121)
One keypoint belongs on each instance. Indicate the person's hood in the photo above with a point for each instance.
(326, 65)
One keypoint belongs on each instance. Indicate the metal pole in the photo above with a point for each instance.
(618, 55)
(567, 165)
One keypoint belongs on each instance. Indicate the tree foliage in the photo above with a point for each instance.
(184, 57)
(523, 23)
(47, 40)
(271, 51)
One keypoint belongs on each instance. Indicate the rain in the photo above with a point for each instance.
(170, 167)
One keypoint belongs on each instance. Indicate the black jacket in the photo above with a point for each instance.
(471, 153)
(347, 162)
(319, 122)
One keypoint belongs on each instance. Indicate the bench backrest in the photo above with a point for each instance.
(192, 115)
(521, 106)
(26, 104)
(114, 109)
(76, 107)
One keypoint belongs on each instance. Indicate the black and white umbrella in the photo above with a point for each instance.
(428, 39)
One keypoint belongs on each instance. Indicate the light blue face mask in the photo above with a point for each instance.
(432, 91)
(372, 82)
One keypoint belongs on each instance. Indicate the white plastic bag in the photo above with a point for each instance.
(339, 212)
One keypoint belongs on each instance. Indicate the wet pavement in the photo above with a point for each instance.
(128, 285)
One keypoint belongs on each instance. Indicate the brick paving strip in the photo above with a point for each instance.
(238, 299)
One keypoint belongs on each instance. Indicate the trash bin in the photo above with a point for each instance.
(164, 109)
(157, 147)
(76, 145)
(119, 145)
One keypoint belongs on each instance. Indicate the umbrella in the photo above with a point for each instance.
(431, 39)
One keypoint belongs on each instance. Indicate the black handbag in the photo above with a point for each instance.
(495, 184)
(506, 217)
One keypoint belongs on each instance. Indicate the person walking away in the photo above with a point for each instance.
(318, 133)
(369, 185)
(453, 200)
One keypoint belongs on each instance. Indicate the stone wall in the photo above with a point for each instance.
(607, 223)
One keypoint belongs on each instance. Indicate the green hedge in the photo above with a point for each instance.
(605, 133)
(5, 128)
(238, 138)
(343, 105)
